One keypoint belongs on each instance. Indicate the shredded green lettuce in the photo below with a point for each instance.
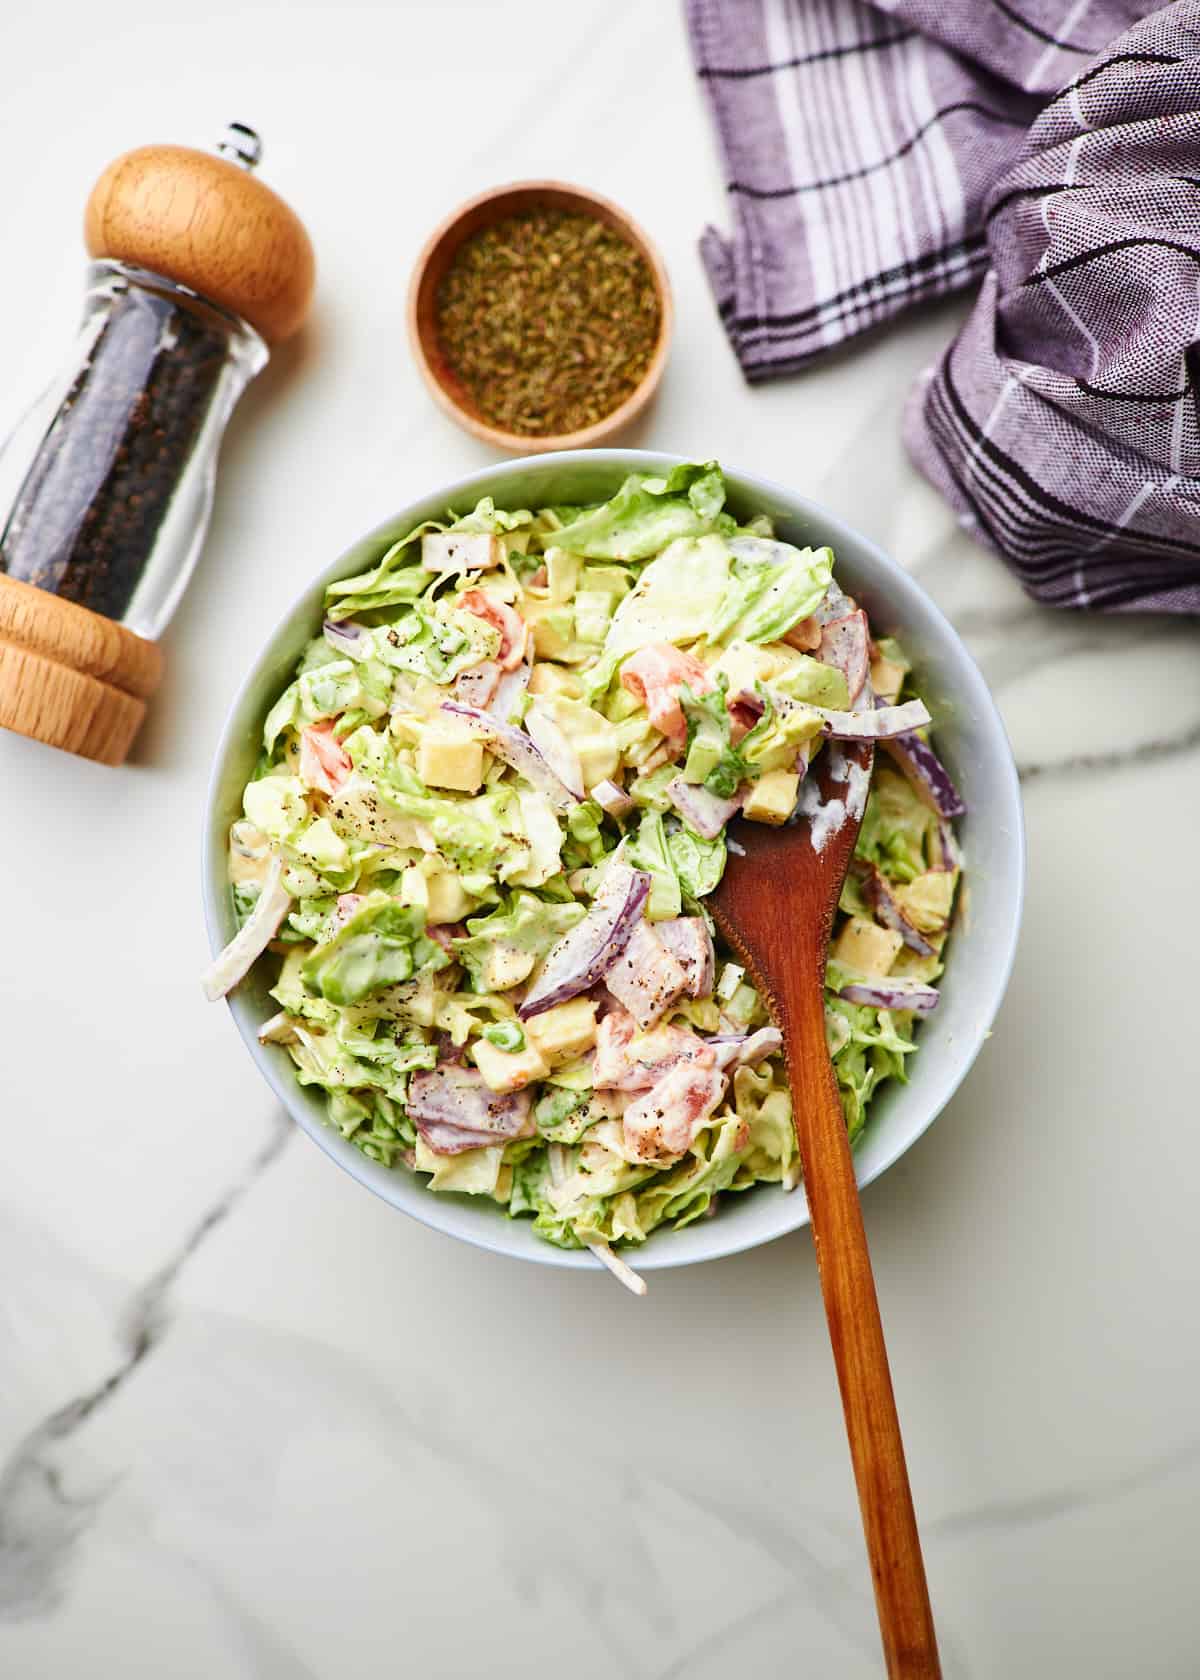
(762, 603)
(647, 514)
(382, 944)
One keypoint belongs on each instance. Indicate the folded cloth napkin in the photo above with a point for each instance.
(881, 154)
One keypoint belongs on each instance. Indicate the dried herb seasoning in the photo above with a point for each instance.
(549, 318)
(85, 520)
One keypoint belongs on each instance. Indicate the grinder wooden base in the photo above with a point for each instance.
(69, 677)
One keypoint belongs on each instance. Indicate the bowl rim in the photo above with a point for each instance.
(519, 443)
(426, 1206)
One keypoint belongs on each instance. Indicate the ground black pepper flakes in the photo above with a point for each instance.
(85, 520)
(550, 319)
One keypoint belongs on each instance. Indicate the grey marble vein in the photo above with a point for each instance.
(1065, 1501)
(39, 1521)
(1176, 744)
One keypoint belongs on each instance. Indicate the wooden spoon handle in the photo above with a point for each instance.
(855, 1330)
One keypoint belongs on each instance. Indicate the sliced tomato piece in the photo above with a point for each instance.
(654, 676)
(324, 763)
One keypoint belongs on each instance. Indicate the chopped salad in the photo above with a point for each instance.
(488, 811)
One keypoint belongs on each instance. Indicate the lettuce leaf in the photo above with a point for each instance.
(327, 689)
(899, 831)
(399, 577)
(673, 601)
(761, 602)
(869, 1048)
(381, 945)
(647, 514)
(486, 516)
(699, 864)
(523, 922)
(647, 849)
(396, 578)
(686, 1191)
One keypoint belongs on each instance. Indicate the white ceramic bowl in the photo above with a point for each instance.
(970, 737)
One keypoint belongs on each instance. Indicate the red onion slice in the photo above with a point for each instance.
(508, 691)
(453, 1110)
(517, 750)
(477, 685)
(884, 724)
(745, 1049)
(702, 811)
(550, 740)
(894, 991)
(950, 849)
(887, 910)
(344, 636)
(845, 644)
(583, 955)
(928, 775)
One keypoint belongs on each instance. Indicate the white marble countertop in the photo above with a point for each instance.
(254, 1425)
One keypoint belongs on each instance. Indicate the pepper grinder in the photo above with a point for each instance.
(106, 485)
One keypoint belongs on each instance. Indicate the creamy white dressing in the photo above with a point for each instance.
(827, 816)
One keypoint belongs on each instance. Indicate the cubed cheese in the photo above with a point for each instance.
(886, 679)
(447, 757)
(505, 966)
(928, 899)
(772, 798)
(591, 735)
(565, 1031)
(553, 628)
(508, 1070)
(554, 680)
(745, 664)
(866, 947)
(562, 574)
(414, 888)
(446, 899)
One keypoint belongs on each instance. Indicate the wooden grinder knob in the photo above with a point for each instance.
(69, 676)
(209, 224)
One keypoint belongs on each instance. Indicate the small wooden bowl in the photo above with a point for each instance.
(445, 387)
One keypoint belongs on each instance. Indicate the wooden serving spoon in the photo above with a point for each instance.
(775, 906)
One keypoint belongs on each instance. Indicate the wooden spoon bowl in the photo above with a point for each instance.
(447, 390)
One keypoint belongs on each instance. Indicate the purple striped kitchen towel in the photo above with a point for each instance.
(877, 155)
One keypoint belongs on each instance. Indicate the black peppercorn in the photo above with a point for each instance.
(85, 520)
